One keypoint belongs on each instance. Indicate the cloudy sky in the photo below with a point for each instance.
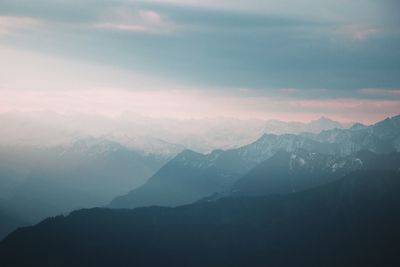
(287, 60)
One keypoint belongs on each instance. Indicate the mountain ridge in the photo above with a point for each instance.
(315, 227)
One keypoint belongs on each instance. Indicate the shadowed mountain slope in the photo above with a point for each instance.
(287, 172)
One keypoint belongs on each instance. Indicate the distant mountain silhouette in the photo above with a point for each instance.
(146, 133)
(353, 221)
(315, 126)
(382, 137)
(41, 182)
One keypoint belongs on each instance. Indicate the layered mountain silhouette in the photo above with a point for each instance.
(352, 221)
(39, 182)
(192, 175)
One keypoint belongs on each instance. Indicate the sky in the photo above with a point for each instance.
(247, 59)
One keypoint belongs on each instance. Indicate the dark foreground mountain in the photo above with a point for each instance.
(353, 221)
(9, 222)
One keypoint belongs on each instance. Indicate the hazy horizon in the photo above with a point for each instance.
(47, 129)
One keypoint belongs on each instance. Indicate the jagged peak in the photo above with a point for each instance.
(358, 126)
(324, 119)
(397, 117)
(187, 152)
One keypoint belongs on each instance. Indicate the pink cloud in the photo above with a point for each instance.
(381, 92)
(135, 21)
(356, 32)
(8, 24)
(121, 27)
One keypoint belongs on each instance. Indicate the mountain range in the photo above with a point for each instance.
(381, 137)
(151, 135)
(192, 175)
(38, 182)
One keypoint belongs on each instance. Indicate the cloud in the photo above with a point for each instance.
(10, 24)
(44, 72)
(381, 92)
(143, 20)
(356, 32)
(223, 44)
